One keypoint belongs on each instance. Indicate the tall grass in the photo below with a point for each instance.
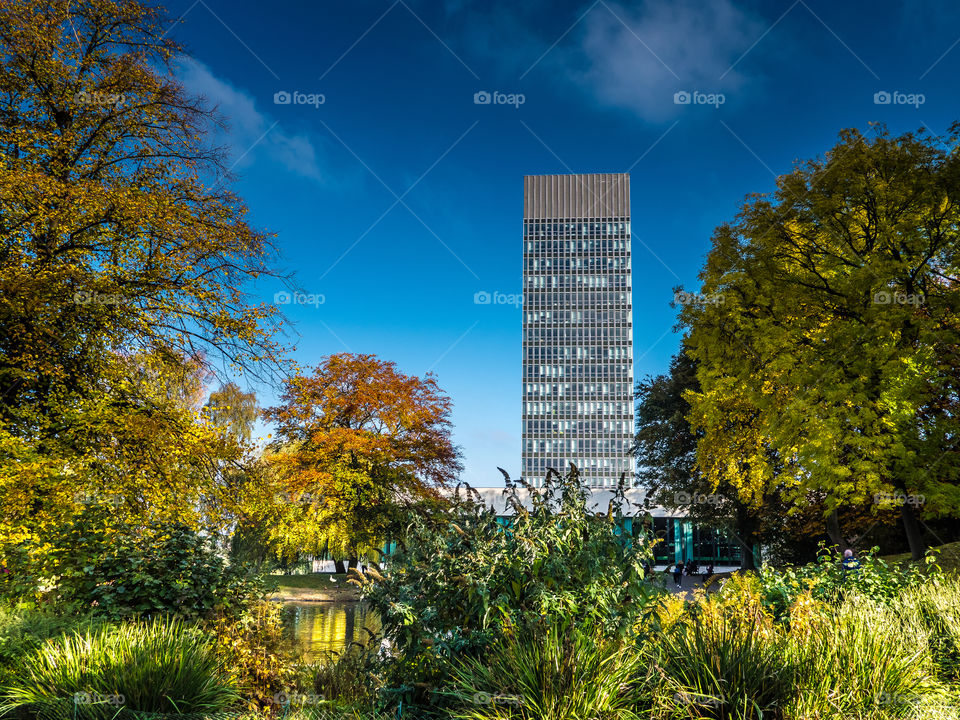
(715, 666)
(861, 661)
(563, 674)
(162, 665)
(23, 629)
(343, 677)
(864, 659)
(935, 607)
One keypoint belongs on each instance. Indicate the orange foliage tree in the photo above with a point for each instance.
(355, 441)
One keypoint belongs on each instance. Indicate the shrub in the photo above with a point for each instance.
(117, 570)
(827, 581)
(261, 658)
(457, 581)
(160, 666)
(562, 673)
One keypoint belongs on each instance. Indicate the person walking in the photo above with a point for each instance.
(678, 575)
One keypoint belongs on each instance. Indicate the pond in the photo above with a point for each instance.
(321, 627)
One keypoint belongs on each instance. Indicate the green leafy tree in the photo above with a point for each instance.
(833, 336)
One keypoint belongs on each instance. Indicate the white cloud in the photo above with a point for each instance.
(638, 58)
(247, 125)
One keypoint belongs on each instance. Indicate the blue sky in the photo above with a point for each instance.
(398, 198)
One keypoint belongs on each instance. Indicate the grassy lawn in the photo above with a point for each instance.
(313, 586)
(948, 557)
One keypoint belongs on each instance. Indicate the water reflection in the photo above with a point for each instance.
(319, 627)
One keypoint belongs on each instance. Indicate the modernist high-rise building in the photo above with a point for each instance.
(577, 327)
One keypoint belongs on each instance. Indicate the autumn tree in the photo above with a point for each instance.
(119, 239)
(355, 441)
(837, 333)
(234, 410)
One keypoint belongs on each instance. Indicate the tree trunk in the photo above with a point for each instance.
(833, 530)
(353, 562)
(746, 536)
(747, 559)
(912, 530)
(338, 567)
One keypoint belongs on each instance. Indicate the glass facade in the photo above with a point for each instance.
(577, 327)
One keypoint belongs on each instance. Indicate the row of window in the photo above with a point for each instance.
(616, 446)
(570, 344)
(578, 408)
(601, 482)
(593, 317)
(548, 282)
(565, 248)
(579, 427)
(573, 264)
(531, 389)
(574, 228)
(580, 298)
(605, 371)
(553, 353)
